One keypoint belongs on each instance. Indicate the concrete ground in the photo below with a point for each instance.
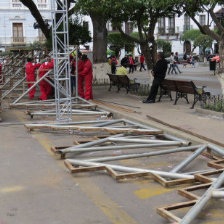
(37, 188)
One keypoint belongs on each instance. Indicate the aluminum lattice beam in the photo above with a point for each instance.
(60, 38)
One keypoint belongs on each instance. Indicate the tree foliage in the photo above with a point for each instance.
(191, 34)
(165, 46)
(116, 42)
(203, 41)
(144, 16)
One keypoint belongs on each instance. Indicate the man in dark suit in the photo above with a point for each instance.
(159, 73)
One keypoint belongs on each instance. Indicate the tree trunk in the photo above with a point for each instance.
(220, 70)
(145, 49)
(36, 14)
(99, 38)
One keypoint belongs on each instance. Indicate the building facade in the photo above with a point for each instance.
(17, 23)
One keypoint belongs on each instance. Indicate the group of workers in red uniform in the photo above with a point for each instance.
(85, 76)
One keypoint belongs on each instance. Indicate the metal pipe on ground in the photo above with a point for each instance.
(88, 144)
(129, 169)
(196, 209)
(140, 155)
(218, 194)
(189, 159)
(174, 138)
(132, 140)
(140, 125)
(217, 149)
(102, 148)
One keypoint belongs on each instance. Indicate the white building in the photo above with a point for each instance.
(17, 23)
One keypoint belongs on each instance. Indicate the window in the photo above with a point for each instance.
(41, 36)
(42, 4)
(17, 32)
(202, 20)
(171, 25)
(16, 4)
(187, 23)
(161, 25)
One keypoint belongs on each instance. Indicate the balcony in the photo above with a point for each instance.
(171, 31)
(18, 40)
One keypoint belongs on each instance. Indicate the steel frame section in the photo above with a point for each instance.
(128, 169)
(61, 58)
(196, 209)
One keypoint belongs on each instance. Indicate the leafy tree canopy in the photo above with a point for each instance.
(191, 34)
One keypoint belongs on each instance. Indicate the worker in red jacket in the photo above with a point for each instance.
(85, 74)
(142, 60)
(30, 75)
(45, 87)
(131, 64)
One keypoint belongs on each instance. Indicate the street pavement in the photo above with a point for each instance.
(37, 188)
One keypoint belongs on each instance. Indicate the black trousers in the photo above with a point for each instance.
(142, 66)
(154, 88)
(131, 68)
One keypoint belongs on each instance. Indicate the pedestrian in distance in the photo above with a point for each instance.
(85, 77)
(172, 67)
(73, 70)
(30, 75)
(159, 74)
(113, 64)
(142, 60)
(176, 62)
(131, 64)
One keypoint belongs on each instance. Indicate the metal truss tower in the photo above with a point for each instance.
(60, 39)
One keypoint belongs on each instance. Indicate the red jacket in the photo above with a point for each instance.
(142, 59)
(45, 65)
(113, 59)
(85, 67)
(30, 69)
(131, 61)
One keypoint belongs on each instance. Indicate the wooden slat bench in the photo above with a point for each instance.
(122, 81)
(182, 89)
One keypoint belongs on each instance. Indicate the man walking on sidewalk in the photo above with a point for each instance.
(142, 60)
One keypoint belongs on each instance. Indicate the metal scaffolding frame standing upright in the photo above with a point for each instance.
(60, 39)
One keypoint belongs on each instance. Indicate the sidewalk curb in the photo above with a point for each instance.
(210, 112)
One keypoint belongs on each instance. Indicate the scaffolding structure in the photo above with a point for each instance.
(60, 38)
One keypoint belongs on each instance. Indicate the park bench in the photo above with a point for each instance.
(122, 81)
(182, 89)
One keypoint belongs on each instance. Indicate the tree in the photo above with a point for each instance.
(99, 14)
(199, 39)
(117, 42)
(192, 8)
(36, 14)
(165, 46)
(144, 16)
(203, 41)
(191, 34)
(78, 34)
